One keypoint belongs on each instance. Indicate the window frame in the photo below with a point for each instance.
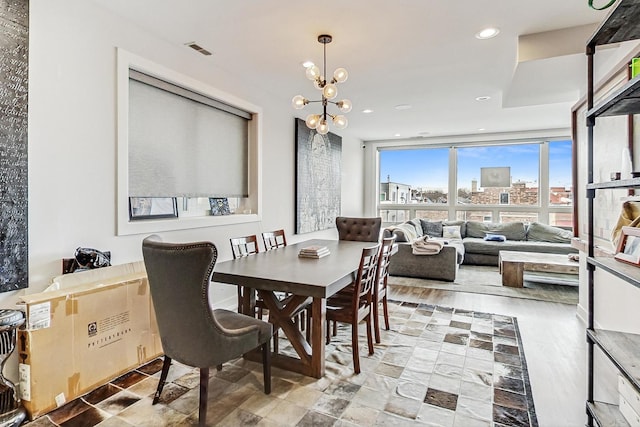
(544, 137)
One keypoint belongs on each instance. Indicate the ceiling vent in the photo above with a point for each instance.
(198, 48)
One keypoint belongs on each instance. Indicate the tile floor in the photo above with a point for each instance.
(436, 367)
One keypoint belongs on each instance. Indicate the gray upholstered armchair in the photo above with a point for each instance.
(359, 229)
(191, 333)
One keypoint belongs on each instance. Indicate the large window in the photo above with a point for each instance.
(414, 176)
(560, 187)
(492, 182)
(501, 174)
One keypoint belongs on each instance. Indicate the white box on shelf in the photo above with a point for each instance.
(629, 393)
(628, 413)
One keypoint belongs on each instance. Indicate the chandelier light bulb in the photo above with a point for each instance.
(340, 121)
(323, 127)
(299, 102)
(330, 91)
(340, 75)
(312, 121)
(344, 105)
(319, 83)
(312, 72)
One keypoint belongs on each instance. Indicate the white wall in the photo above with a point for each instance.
(72, 141)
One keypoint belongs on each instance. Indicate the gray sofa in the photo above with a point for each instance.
(466, 243)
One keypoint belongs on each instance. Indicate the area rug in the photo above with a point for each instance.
(487, 280)
(437, 366)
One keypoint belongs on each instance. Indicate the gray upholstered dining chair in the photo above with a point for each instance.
(380, 290)
(190, 331)
(359, 229)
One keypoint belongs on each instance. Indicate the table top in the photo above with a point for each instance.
(537, 258)
(282, 270)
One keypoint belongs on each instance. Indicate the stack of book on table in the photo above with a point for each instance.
(313, 252)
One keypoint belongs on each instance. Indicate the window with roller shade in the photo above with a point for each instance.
(184, 144)
(181, 138)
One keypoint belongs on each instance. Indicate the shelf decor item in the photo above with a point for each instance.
(219, 206)
(152, 207)
(628, 249)
(635, 67)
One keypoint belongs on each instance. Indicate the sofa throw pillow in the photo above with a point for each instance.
(510, 230)
(451, 232)
(432, 228)
(495, 238)
(461, 224)
(538, 232)
(417, 224)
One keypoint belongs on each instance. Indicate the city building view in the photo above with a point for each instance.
(504, 179)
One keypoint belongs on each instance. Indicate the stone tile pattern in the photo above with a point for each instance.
(437, 366)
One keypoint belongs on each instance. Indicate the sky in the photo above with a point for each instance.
(429, 167)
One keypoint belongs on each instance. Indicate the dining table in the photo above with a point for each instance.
(304, 280)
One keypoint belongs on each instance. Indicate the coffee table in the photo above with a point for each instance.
(513, 264)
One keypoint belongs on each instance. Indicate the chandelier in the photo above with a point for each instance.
(329, 90)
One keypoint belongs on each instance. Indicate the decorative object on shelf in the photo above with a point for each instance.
(615, 176)
(329, 92)
(635, 67)
(219, 206)
(628, 249)
(318, 179)
(152, 207)
(629, 217)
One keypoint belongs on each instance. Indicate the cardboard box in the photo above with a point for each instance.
(86, 329)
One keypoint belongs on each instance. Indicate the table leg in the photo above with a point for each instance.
(318, 325)
(311, 357)
(512, 274)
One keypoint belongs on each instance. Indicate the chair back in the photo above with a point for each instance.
(383, 261)
(359, 229)
(179, 275)
(274, 239)
(366, 277)
(244, 246)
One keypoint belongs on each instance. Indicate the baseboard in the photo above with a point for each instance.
(581, 313)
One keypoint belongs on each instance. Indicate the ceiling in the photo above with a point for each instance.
(421, 53)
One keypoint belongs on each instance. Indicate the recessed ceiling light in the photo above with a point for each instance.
(481, 129)
(487, 33)
(402, 107)
(396, 134)
(367, 111)
(483, 98)
(307, 64)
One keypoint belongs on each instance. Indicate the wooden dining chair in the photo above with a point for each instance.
(242, 247)
(380, 290)
(191, 332)
(274, 239)
(356, 306)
